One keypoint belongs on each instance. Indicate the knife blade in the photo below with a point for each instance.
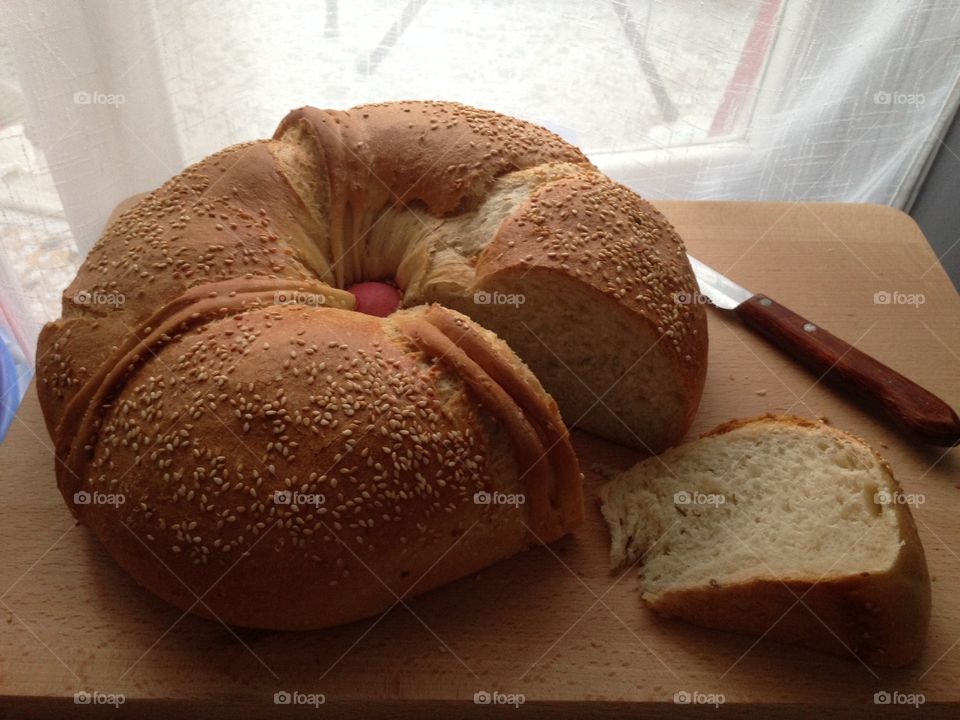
(916, 410)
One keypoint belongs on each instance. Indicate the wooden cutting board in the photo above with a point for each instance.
(551, 624)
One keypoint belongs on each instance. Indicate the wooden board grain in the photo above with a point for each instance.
(552, 623)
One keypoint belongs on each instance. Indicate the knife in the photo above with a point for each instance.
(918, 411)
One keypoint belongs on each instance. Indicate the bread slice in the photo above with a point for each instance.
(779, 527)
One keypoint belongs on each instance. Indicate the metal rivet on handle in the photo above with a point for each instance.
(766, 302)
(809, 327)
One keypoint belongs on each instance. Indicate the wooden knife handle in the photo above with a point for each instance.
(916, 410)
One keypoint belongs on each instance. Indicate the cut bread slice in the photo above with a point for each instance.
(780, 527)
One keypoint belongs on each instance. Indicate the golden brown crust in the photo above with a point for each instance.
(552, 478)
(367, 426)
(209, 223)
(444, 154)
(194, 268)
(196, 307)
(565, 493)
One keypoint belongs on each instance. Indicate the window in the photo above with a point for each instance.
(737, 99)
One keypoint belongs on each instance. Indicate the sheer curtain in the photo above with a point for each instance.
(731, 99)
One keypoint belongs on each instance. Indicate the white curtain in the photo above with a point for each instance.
(729, 99)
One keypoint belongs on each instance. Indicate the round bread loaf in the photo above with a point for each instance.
(284, 461)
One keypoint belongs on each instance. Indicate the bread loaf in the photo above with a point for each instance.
(209, 357)
(777, 527)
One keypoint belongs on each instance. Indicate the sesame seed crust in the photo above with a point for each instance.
(274, 448)
(380, 451)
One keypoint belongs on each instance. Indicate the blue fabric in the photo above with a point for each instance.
(14, 376)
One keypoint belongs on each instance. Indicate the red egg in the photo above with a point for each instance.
(376, 298)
